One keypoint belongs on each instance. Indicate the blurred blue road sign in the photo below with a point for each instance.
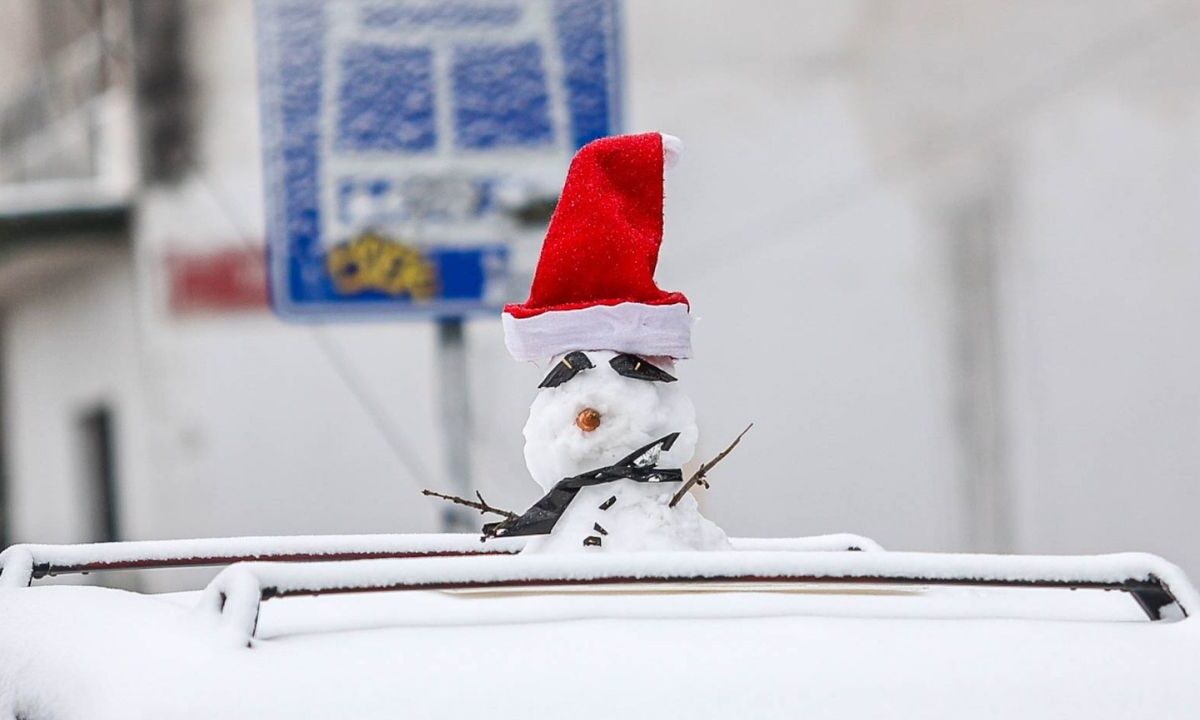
(397, 133)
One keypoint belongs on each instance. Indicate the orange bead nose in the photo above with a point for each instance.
(587, 420)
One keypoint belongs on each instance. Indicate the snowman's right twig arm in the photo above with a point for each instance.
(699, 475)
(481, 506)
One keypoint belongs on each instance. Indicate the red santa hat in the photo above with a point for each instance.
(594, 286)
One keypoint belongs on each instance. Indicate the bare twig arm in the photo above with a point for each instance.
(698, 477)
(481, 506)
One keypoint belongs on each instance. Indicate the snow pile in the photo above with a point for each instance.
(74, 652)
(812, 543)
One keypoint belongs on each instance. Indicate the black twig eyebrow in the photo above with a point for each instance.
(632, 366)
(567, 368)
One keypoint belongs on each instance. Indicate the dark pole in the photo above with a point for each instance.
(456, 421)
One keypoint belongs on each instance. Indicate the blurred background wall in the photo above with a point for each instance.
(945, 254)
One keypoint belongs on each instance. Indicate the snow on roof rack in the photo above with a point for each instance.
(235, 595)
(20, 565)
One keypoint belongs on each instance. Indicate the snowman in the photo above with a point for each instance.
(610, 429)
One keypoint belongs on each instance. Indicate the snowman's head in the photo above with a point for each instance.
(597, 406)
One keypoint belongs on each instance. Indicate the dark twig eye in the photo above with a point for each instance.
(567, 368)
(632, 366)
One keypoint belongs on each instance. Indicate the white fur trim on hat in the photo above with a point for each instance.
(648, 330)
(672, 150)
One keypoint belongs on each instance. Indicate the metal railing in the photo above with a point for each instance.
(237, 593)
(20, 565)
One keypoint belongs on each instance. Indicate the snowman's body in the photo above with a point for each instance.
(594, 288)
(633, 517)
(622, 515)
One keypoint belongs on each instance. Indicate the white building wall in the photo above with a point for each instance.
(70, 346)
(1104, 299)
(818, 291)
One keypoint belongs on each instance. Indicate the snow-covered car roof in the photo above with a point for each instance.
(758, 632)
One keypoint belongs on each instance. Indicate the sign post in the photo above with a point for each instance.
(456, 417)
(401, 139)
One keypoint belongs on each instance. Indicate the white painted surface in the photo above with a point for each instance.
(70, 346)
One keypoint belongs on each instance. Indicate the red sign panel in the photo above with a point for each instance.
(218, 281)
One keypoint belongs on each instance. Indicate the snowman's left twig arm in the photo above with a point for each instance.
(481, 506)
(702, 471)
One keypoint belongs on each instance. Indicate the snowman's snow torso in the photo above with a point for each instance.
(623, 515)
(626, 516)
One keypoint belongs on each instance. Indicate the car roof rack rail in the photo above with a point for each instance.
(237, 593)
(20, 565)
